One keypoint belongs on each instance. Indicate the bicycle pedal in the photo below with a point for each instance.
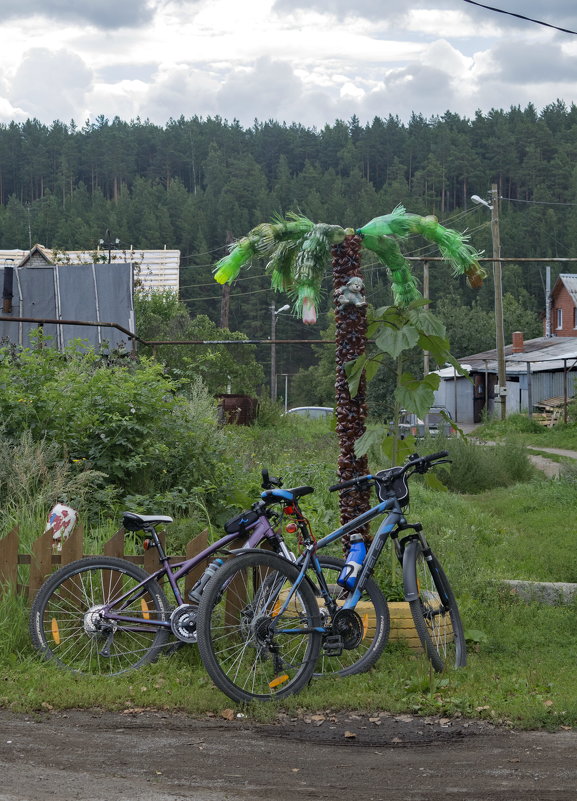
(333, 645)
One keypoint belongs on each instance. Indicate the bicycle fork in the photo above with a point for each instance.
(410, 578)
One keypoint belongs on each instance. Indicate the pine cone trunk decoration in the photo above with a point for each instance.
(351, 413)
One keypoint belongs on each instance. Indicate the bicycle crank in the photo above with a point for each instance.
(183, 622)
(349, 627)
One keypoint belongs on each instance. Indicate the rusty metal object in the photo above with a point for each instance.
(351, 413)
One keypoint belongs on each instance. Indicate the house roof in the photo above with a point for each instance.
(569, 281)
(155, 269)
(12, 258)
(544, 353)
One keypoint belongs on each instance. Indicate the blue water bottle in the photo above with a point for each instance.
(354, 563)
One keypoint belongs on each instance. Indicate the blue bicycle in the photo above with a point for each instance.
(265, 625)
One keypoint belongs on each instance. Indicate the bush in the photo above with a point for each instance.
(476, 468)
(124, 419)
(514, 424)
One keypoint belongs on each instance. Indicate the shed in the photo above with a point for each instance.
(38, 288)
(153, 269)
(536, 369)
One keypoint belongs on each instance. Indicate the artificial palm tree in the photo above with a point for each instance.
(297, 252)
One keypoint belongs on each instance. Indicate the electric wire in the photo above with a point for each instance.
(521, 16)
(538, 202)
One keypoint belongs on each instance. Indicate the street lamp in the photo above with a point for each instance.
(109, 244)
(273, 319)
(499, 328)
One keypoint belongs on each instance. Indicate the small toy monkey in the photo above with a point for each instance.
(350, 293)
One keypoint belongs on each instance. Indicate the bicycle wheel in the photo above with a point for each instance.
(364, 631)
(435, 612)
(66, 626)
(252, 650)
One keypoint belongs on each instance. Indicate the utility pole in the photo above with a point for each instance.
(499, 329)
(225, 300)
(548, 300)
(225, 306)
(109, 244)
(273, 318)
(426, 295)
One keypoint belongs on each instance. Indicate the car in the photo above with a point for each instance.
(438, 420)
(314, 412)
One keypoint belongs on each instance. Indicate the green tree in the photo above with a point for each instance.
(223, 368)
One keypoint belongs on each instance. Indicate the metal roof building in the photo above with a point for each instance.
(537, 370)
(44, 286)
(153, 269)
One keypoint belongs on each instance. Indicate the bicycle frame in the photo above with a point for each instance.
(394, 522)
(262, 530)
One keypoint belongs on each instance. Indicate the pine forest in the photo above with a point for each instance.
(197, 184)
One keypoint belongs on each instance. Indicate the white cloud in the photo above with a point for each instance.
(101, 13)
(305, 61)
(51, 84)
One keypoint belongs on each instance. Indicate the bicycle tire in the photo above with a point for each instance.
(439, 626)
(373, 615)
(245, 645)
(66, 629)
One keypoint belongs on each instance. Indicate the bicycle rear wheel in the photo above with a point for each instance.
(364, 631)
(67, 627)
(252, 649)
(435, 611)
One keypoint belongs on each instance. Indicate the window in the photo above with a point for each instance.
(575, 317)
(559, 318)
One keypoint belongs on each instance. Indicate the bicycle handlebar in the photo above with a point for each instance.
(421, 463)
(350, 483)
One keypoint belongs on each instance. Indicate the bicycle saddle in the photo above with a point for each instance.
(270, 496)
(134, 522)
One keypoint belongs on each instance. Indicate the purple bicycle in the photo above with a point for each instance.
(103, 615)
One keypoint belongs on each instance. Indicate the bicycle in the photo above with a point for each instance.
(104, 616)
(261, 627)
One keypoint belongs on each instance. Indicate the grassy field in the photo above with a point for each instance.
(523, 657)
(519, 428)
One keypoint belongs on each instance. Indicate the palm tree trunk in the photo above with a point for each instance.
(351, 413)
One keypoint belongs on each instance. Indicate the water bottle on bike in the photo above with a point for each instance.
(354, 563)
(196, 592)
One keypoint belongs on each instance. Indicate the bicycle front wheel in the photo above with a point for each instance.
(257, 641)
(435, 612)
(363, 632)
(69, 622)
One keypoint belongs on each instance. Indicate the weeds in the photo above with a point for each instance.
(523, 657)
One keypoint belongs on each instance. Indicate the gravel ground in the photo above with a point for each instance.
(89, 755)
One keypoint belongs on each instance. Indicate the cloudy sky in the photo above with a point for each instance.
(305, 61)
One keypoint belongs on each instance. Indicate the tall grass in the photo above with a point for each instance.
(477, 468)
(526, 431)
(33, 477)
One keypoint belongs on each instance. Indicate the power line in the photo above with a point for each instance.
(520, 16)
(539, 202)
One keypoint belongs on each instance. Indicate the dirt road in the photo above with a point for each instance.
(149, 756)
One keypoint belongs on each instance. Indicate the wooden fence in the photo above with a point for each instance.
(42, 561)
